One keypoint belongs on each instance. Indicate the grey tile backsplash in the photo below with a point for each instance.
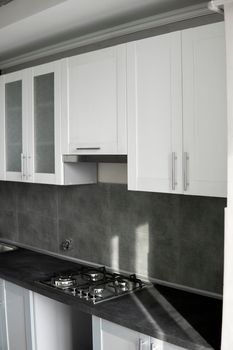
(174, 238)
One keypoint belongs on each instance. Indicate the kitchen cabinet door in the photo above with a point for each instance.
(51, 324)
(18, 317)
(3, 333)
(57, 326)
(44, 160)
(107, 335)
(154, 90)
(204, 110)
(14, 120)
(97, 102)
(156, 344)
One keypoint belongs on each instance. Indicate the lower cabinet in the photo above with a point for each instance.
(30, 321)
(108, 335)
(3, 332)
(57, 326)
(15, 317)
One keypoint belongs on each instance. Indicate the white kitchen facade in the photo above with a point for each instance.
(147, 104)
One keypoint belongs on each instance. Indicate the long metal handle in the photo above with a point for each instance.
(186, 180)
(141, 343)
(87, 148)
(174, 183)
(22, 166)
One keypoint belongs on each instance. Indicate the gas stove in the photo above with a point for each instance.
(94, 285)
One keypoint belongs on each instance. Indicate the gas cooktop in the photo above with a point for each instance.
(93, 284)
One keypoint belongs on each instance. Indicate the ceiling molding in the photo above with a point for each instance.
(110, 33)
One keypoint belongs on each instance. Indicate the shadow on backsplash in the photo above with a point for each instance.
(175, 238)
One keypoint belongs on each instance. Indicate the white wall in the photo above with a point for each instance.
(227, 334)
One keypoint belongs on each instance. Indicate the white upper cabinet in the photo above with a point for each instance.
(177, 127)
(14, 124)
(155, 114)
(34, 133)
(97, 102)
(44, 140)
(204, 110)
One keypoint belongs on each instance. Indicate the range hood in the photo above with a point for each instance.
(94, 158)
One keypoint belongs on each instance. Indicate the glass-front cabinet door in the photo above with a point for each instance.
(44, 139)
(15, 112)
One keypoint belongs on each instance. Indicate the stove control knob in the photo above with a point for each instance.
(74, 290)
(93, 298)
(79, 293)
(86, 295)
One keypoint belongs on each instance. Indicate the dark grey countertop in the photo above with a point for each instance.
(181, 318)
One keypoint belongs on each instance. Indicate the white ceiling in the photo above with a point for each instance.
(26, 25)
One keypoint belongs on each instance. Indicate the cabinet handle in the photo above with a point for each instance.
(186, 166)
(152, 346)
(22, 166)
(174, 183)
(28, 166)
(141, 343)
(87, 148)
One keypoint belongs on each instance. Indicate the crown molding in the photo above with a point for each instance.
(110, 33)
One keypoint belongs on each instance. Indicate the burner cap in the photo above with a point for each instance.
(93, 275)
(64, 281)
(98, 291)
(121, 283)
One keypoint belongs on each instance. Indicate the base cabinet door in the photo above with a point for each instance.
(51, 322)
(108, 335)
(3, 332)
(18, 317)
(57, 326)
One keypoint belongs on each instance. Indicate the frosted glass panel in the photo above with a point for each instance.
(13, 106)
(44, 123)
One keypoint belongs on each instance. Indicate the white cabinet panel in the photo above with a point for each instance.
(57, 326)
(34, 128)
(177, 124)
(14, 122)
(204, 109)
(107, 335)
(3, 332)
(18, 317)
(155, 114)
(45, 137)
(52, 324)
(97, 101)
